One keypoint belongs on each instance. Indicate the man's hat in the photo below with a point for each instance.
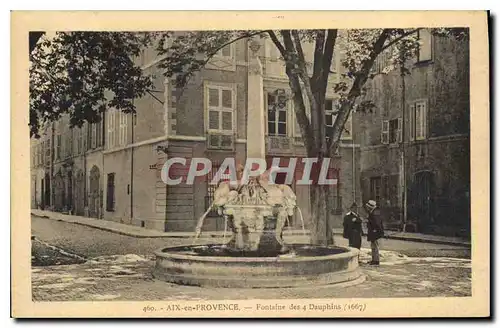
(371, 203)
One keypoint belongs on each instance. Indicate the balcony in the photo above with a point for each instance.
(280, 145)
(220, 141)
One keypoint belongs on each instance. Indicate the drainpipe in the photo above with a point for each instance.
(85, 201)
(403, 148)
(354, 179)
(132, 171)
(102, 182)
(52, 147)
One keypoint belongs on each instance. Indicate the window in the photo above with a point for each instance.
(394, 132)
(99, 131)
(58, 146)
(382, 61)
(418, 120)
(41, 147)
(223, 60)
(47, 150)
(221, 108)
(95, 135)
(83, 138)
(111, 128)
(110, 194)
(375, 189)
(35, 154)
(425, 45)
(225, 52)
(330, 115)
(331, 111)
(277, 114)
(69, 143)
(77, 140)
(122, 137)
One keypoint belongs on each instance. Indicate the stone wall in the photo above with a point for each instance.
(444, 83)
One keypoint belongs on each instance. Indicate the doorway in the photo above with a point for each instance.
(94, 193)
(423, 199)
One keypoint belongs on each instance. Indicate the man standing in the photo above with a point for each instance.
(375, 230)
(352, 227)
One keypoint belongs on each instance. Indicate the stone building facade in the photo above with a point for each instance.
(113, 169)
(420, 129)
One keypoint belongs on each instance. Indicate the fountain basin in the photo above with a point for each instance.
(219, 266)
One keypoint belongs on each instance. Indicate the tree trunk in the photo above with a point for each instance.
(321, 232)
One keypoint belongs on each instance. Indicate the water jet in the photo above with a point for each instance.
(256, 256)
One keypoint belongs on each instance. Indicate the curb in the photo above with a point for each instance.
(430, 241)
(209, 234)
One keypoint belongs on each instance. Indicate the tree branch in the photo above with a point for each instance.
(152, 95)
(277, 43)
(293, 79)
(212, 54)
(328, 56)
(317, 118)
(300, 63)
(359, 81)
(245, 36)
(318, 55)
(404, 35)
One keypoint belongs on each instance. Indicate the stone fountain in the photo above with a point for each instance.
(256, 213)
(256, 255)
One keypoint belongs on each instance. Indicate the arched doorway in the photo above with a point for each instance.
(423, 199)
(58, 192)
(94, 192)
(47, 190)
(79, 193)
(69, 199)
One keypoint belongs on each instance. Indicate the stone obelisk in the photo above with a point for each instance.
(256, 146)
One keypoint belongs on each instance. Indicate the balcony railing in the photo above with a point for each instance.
(220, 141)
(280, 144)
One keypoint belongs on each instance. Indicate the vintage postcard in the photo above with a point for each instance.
(250, 164)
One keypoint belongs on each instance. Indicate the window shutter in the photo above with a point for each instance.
(99, 133)
(425, 45)
(85, 132)
(93, 136)
(385, 193)
(400, 130)
(69, 148)
(110, 194)
(109, 130)
(424, 120)
(421, 120)
(227, 121)
(123, 128)
(412, 121)
(385, 132)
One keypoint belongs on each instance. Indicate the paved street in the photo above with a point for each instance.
(90, 242)
(119, 268)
